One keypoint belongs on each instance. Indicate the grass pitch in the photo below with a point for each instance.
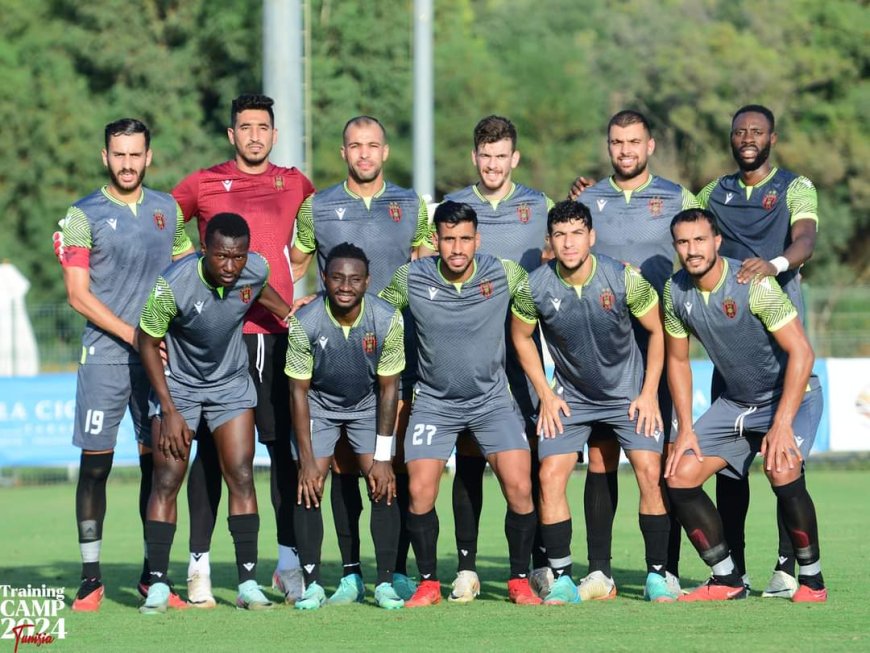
(38, 545)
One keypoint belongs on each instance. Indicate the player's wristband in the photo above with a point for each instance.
(384, 448)
(780, 263)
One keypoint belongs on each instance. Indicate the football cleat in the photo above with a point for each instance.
(175, 601)
(290, 583)
(157, 600)
(251, 597)
(199, 591)
(404, 586)
(386, 597)
(780, 586)
(520, 592)
(673, 584)
(597, 587)
(312, 598)
(541, 580)
(562, 591)
(89, 597)
(806, 594)
(657, 590)
(428, 593)
(466, 587)
(713, 590)
(350, 590)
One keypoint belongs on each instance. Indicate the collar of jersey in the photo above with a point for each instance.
(458, 285)
(495, 204)
(115, 200)
(706, 293)
(628, 193)
(770, 175)
(219, 289)
(360, 197)
(588, 279)
(359, 317)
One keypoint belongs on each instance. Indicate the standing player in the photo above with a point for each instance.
(458, 301)
(197, 307)
(769, 219)
(345, 353)
(269, 197)
(632, 211)
(391, 225)
(512, 222)
(585, 303)
(771, 402)
(117, 240)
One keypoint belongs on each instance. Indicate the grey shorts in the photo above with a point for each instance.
(103, 394)
(325, 432)
(602, 419)
(733, 431)
(433, 428)
(216, 405)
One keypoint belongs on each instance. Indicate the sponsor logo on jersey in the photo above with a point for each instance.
(198, 306)
(340, 213)
(486, 288)
(601, 204)
(729, 307)
(245, 294)
(279, 182)
(395, 211)
(369, 342)
(607, 299)
(524, 213)
(729, 197)
(656, 205)
(432, 292)
(227, 184)
(160, 219)
(769, 199)
(113, 223)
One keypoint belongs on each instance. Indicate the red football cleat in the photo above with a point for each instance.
(90, 602)
(175, 601)
(806, 594)
(713, 591)
(428, 593)
(520, 592)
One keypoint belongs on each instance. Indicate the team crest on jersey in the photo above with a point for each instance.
(245, 294)
(395, 211)
(656, 205)
(729, 307)
(160, 219)
(524, 213)
(279, 182)
(369, 342)
(769, 199)
(607, 298)
(486, 288)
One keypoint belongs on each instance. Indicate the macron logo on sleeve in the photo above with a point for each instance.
(198, 306)
(227, 184)
(601, 204)
(432, 292)
(728, 197)
(113, 223)
(340, 213)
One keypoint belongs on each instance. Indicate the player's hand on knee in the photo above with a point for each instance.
(754, 267)
(382, 481)
(310, 488)
(175, 437)
(645, 410)
(686, 441)
(549, 422)
(780, 450)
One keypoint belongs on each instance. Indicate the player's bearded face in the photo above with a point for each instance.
(630, 148)
(697, 246)
(457, 244)
(126, 160)
(346, 281)
(751, 141)
(494, 163)
(253, 136)
(365, 152)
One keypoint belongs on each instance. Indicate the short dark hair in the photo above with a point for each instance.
(346, 250)
(493, 129)
(628, 117)
(127, 127)
(695, 215)
(362, 120)
(251, 101)
(566, 211)
(453, 213)
(756, 108)
(229, 225)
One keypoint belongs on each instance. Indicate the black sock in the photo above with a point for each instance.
(204, 485)
(785, 560)
(557, 540)
(346, 503)
(732, 501)
(467, 506)
(308, 523)
(402, 498)
(540, 558)
(423, 530)
(158, 538)
(244, 529)
(385, 535)
(675, 540)
(600, 499)
(283, 480)
(704, 528)
(799, 514)
(655, 530)
(146, 469)
(520, 532)
(91, 508)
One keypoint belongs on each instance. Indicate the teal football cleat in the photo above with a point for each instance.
(387, 598)
(656, 589)
(312, 598)
(562, 591)
(350, 590)
(404, 586)
(251, 597)
(157, 600)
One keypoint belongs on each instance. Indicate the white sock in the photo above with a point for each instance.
(198, 564)
(287, 557)
(724, 568)
(90, 550)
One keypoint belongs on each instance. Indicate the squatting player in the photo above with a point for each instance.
(391, 225)
(344, 357)
(769, 218)
(585, 303)
(512, 222)
(632, 210)
(771, 402)
(458, 301)
(269, 197)
(197, 307)
(117, 241)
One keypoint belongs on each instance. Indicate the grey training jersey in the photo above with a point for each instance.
(460, 327)
(202, 324)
